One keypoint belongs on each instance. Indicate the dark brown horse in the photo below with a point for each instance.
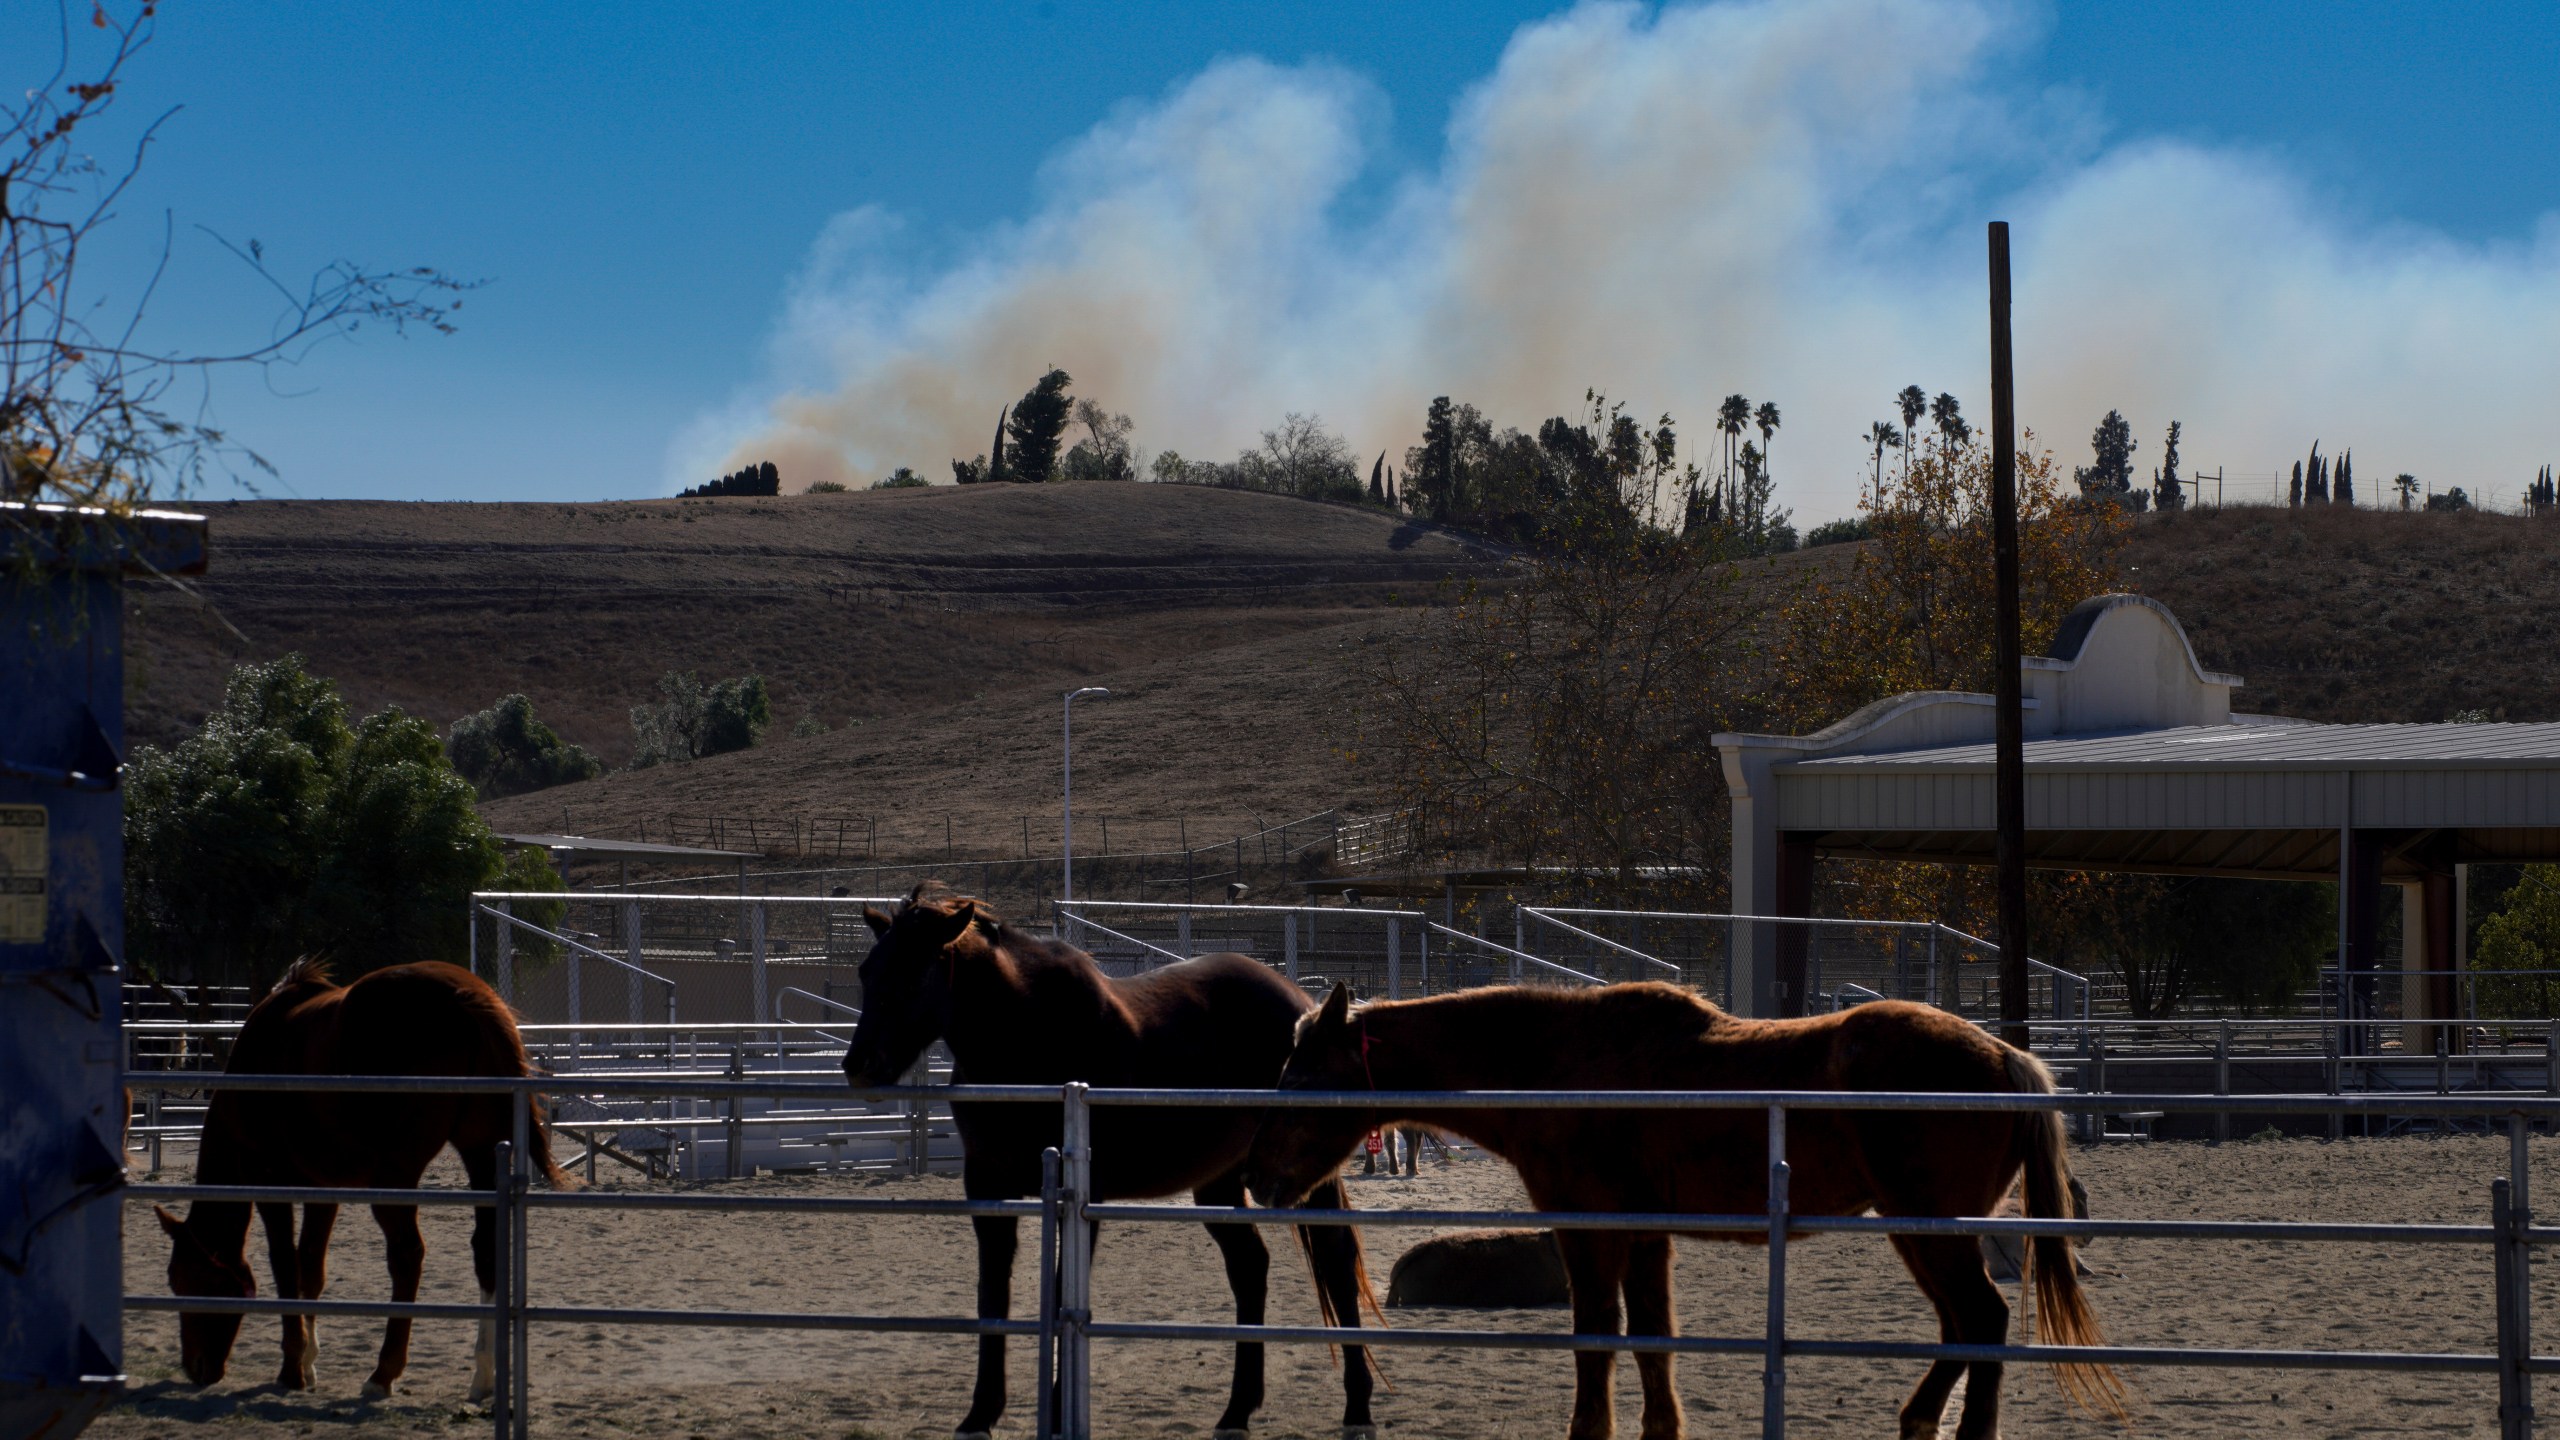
(1655, 1037)
(426, 1019)
(1018, 1010)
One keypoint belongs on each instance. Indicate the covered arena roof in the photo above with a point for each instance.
(2135, 761)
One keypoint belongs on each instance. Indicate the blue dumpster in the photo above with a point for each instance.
(62, 1112)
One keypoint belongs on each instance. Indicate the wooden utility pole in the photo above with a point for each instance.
(2009, 744)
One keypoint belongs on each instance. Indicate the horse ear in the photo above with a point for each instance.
(1337, 1006)
(169, 1222)
(878, 919)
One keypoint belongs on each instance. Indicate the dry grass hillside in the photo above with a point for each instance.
(855, 607)
(2363, 614)
(935, 629)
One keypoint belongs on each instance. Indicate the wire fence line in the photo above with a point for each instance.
(1065, 1326)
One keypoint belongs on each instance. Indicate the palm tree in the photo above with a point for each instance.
(1731, 416)
(1950, 418)
(1881, 436)
(1766, 418)
(1914, 403)
(2407, 485)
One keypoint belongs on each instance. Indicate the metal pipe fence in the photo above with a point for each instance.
(1066, 1326)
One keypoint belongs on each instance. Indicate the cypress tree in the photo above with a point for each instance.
(2346, 487)
(2296, 496)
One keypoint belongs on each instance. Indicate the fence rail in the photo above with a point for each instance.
(1065, 1326)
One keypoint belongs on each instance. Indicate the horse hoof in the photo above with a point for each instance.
(973, 1435)
(480, 1391)
(376, 1390)
(1231, 1432)
(1359, 1432)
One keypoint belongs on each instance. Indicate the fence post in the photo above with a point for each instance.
(1773, 1365)
(736, 1132)
(518, 1178)
(2551, 1058)
(1044, 1368)
(756, 954)
(1422, 951)
(1933, 965)
(2520, 1197)
(632, 953)
(501, 1332)
(1395, 958)
(506, 957)
(574, 962)
(2513, 1419)
(1289, 943)
(1075, 1259)
(2097, 1086)
(2222, 1078)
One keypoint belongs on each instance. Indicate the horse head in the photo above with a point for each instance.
(1296, 1150)
(907, 980)
(200, 1267)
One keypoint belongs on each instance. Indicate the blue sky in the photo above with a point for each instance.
(643, 185)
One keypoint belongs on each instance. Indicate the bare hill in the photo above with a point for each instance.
(2333, 614)
(854, 607)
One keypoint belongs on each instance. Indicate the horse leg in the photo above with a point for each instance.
(1248, 1263)
(1649, 1313)
(296, 1373)
(319, 1222)
(1595, 1265)
(996, 1240)
(1971, 1311)
(404, 1253)
(481, 1165)
(1334, 1252)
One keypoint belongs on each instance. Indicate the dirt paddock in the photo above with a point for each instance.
(746, 1385)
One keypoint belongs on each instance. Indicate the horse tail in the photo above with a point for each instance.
(503, 1053)
(2063, 1313)
(1332, 1196)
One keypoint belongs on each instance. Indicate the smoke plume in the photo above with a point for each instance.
(1783, 200)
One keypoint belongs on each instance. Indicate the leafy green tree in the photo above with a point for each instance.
(759, 479)
(901, 478)
(1039, 422)
(280, 830)
(505, 750)
(736, 713)
(834, 487)
(2172, 492)
(1106, 452)
(2522, 937)
(1433, 465)
(2111, 478)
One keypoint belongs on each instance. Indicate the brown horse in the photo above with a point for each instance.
(1655, 1037)
(425, 1019)
(1018, 1010)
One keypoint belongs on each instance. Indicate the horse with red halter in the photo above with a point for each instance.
(423, 1019)
(1018, 1010)
(1656, 1037)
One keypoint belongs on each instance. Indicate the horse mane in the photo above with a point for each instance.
(308, 970)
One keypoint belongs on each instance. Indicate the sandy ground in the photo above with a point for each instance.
(756, 1384)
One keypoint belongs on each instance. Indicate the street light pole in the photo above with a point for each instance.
(1067, 791)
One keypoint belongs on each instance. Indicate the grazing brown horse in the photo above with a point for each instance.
(425, 1019)
(1655, 1037)
(1019, 1010)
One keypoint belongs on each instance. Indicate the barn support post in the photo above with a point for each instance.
(1075, 1265)
(1773, 1364)
(2222, 1077)
(1792, 944)
(2360, 953)
(1289, 944)
(1395, 960)
(62, 910)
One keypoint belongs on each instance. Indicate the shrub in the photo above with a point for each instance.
(901, 478)
(504, 750)
(1838, 532)
(829, 487)
(689, 721)
(280, 830)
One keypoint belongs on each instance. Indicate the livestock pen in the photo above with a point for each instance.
(1065, 1327)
